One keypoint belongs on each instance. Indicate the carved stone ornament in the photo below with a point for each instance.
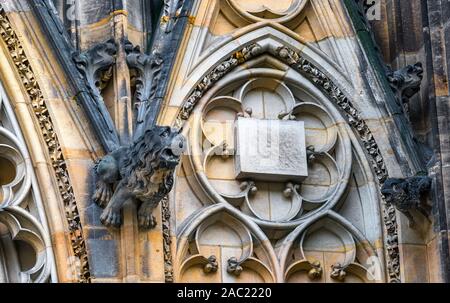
(217, 73)
(338, 272)
(141, 172)
(352, 115)
(147, 69)
(316, 270)
(211, 266)
(406, 81)
(234, 267)
(408, 194)
(172, 11)
(95, 65)
(295, 60)
(167, 241)
(58, 163)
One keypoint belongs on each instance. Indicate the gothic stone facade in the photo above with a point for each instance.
(224, 141)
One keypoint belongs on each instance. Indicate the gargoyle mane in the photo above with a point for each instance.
(144, 158)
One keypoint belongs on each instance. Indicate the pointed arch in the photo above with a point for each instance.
(340, 227)
(192, 224)
(25, 249)
(230, 59)
(25, 95)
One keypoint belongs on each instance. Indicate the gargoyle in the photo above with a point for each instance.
(141, 172)
(406, 81)
(408, 194)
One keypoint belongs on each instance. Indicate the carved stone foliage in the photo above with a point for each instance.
(290, 210)
(95, 66)
(141, 172)
(167, 241)
(247, 257)
(25, 248)
(45, 123)
(147, 74)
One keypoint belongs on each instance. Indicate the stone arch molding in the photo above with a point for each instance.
(358, 264)
(28, 98)
(25, 247)
(201, 256)
(306, 82)
(200, 253)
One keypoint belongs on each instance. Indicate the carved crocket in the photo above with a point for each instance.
(141, 172)
(408, 194)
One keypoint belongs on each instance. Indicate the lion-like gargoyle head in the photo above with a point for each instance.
(157, 150)
(406, 81)
(142, 172)
(160, 144)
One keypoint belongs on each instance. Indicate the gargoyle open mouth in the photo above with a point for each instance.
(168, 158)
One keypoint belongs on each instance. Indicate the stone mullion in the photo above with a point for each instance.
(123, 119)
(122, 87)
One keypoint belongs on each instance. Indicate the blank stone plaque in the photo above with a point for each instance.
(271, 150)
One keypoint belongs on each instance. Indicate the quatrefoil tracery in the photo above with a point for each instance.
(214, 150)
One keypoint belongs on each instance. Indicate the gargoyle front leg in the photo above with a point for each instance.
(411, 222)
(107, 174)
(112, 215)
(425, 210)
(103, 193)
(145, 215)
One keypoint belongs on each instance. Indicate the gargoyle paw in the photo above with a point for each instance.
(146, 220)
(102, 195)
(111, 218)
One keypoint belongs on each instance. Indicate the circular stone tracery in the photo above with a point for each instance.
(311, 77)
(269, 202)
